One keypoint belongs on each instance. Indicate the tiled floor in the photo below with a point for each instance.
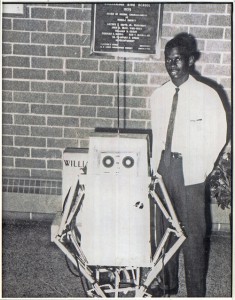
(35, 267)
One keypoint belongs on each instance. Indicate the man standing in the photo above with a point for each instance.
(189, 131)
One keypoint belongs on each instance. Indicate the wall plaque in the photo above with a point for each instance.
(126, 29)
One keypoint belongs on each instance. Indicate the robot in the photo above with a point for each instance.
(107, 229)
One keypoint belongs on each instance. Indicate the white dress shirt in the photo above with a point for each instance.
(199, 130)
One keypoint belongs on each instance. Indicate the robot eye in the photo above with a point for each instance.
(128, 162)
(108, 161)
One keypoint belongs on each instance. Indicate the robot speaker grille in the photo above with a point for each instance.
(108, 161)
(128, 162)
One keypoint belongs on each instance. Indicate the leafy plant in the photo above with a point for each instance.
(220, 181)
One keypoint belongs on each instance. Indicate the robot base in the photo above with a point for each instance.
(123, 281)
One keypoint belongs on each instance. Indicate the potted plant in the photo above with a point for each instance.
(221, 180)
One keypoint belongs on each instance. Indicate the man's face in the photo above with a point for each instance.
(177, 65)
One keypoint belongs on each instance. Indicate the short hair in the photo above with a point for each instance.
(185, 41)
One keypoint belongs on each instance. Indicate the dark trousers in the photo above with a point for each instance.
(189, 205)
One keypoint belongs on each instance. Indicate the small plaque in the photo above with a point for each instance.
(126, 29)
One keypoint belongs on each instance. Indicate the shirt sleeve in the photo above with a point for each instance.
(215, 129)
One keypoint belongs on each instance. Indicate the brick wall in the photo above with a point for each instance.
(55, 93)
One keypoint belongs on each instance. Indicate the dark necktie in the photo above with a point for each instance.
(170, 129)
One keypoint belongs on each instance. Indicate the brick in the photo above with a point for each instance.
(36, 50)
(86, 28)
(7, 119)
(47, 13)
(226, 58)
(78, 14)
(77, 134)
(54, 164)
(15, 151)
(29, 97)
(96, 100)
(176, 7)
(7, 162)
(207, 33)
(93, 123)
(15, 130)
(218, 46)
(114, 65)
(229, 8)
(64, 26)
(29, 120)
(109, 112)
(15, 37)
(86, 53)
(46, 174)
(133, 124)
(210, 57)
(30, 163)
(140, 114)
(131, 102)
(97, 77)
(6, 24)
(80, 88)
(82, 64)
(217, 70)
(226, 82)
(227, 33)
(29, 74)
(142, 91)
(30, 141)
(153, 67)
(51, 87)
(6, 73)
(47, 38)
(170, 31)
(132, 78)
(67, 5)
(220, 20)
(63, 51)
(80, 111)
(189, 19)
(46, 63)
(112, 90)
(77, 39)
(29, 25)
(63, 121)
(62, 99)
(87, 6)
(45, 153)
(46, 109)
(15, 61)
(7, 140)
(208, 8)
(21, 173)
(6, 48)
(6, 96)
(63, 76)
(84, 143)
(61, 143)
(13, 85)
(158, 79)
(166, 19)
(15, 108)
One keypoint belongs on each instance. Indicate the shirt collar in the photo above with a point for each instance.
(190, 81)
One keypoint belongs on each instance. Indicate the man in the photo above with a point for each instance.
(189, 131)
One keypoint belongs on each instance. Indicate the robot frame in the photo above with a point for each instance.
(132, 275)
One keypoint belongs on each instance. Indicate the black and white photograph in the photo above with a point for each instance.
(117, 149)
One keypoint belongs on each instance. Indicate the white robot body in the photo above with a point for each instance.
(116, 218)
